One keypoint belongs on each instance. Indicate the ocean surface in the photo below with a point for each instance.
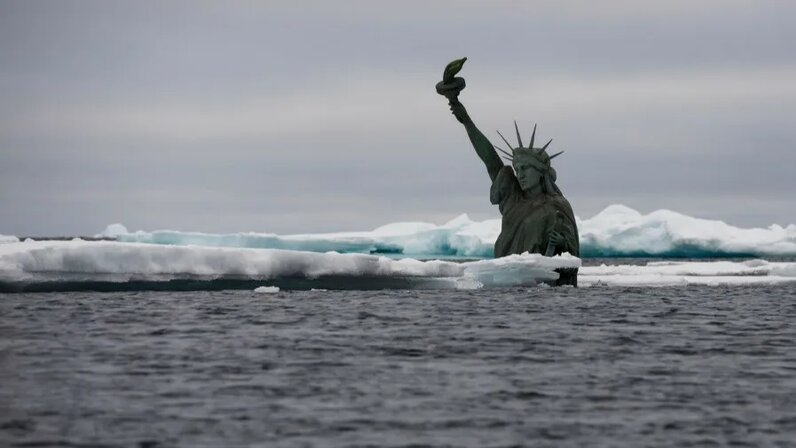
(533, 366)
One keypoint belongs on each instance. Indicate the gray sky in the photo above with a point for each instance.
(321, 116)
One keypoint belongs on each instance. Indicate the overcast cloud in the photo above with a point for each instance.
(299, 116)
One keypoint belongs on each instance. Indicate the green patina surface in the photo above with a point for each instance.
(537, 218)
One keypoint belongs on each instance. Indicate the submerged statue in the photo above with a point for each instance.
(536, 216)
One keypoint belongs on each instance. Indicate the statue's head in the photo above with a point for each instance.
(532, 165)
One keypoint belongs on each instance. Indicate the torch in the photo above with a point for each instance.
(451, 85)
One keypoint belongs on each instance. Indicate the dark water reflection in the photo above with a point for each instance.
(685, 366)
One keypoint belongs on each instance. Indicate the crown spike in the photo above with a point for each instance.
(504, 139)
(542, 149)
(508, 159)
(556, 155)
(503, 151)
(519, 139)
(533, 136)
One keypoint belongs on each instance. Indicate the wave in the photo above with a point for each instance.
(107, 265)
(617, 231)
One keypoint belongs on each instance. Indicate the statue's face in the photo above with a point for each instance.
(527, 175)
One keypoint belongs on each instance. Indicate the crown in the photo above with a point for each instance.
(539, 154)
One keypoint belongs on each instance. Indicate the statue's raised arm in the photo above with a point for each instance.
(450, 87)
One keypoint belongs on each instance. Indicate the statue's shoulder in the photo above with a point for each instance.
(506, 174)
(504, 186)
(506, 179)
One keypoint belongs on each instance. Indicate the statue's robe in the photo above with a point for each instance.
(528, 222)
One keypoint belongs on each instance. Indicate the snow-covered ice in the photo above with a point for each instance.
(8, 239)
(113, 231)
(110, 261)
(620, 230)
(671, 273)
(616, 231)
(40, 262)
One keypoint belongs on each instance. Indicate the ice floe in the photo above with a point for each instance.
(617, 231)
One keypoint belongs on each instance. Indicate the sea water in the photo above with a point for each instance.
(689, 365)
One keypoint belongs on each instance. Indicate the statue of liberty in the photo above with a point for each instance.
(536, 216)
